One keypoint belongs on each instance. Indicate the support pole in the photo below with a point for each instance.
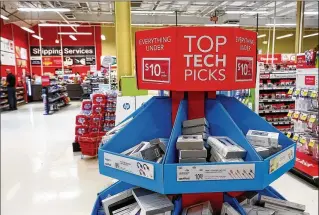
(300, 26)
(273, 36)
(123, 38)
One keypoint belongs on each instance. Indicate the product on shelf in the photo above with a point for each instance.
(227, 209)
(262, 138)
(204, 208)
(118, 200)
(226, 147)
(190, 142)
(196, 126)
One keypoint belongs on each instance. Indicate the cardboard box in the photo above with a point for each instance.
(262, 138)
(283, 203)
(195, 153)
(227, 209)
(226, 147)
(189, 142)
(195, 122)
(192, 160)
(152, 203)
(204, 208)
(195, 130)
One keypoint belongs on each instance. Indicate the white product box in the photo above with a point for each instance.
(283, 203)
(189, 142)
(195, 122)
(227, 209)
(226, 147)
(204, 208)
(116, 198)
(216, 157)
(262, 138)
(192, 160)
(256, 210)
(152, 203)
(193, 153)
(125, 210)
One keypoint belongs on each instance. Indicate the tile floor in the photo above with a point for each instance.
(40, 174)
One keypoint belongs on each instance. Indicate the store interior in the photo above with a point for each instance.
(159, 107)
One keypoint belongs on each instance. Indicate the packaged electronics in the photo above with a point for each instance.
(283, 209)
(86, 106)
(195, 122)
(227, 209)
(151, 202)
(262, 151)
(190, 142)
(204, 208)
(226, 147)
(148, 152)
(124, 198)
(202, 153)
(262, 138)
(216, 157)
(192, 160)
(195, 130)
(284, 203)
(162, 143)
(256, 210)
(82, 119)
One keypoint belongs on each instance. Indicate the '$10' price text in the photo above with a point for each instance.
(156, 70)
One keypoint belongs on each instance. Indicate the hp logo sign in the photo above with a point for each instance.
(126, 106)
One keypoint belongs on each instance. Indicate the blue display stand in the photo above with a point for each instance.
(154, 120)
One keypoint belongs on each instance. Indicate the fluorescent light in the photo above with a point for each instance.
(28, 30)
(245, 12)
(37, 37)
(103, 37)
(57, 25)
(4, 17)
(222, 25)
(310, 35)
(149, 24)
(311, 13)
(265, 42)
(30, 9)
(284, 36)
(283, 24)
(57, 41)
(152, 12)
(72, 37)
(75, 33)
(262, 35)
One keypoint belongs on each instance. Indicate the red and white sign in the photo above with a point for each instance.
(156, 70)
(310, 80)
(306, 164)
(263, 58)
(196, 58)
(45, 81)
(302, 63)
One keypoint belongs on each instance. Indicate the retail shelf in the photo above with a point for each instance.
(278, 75)
(20, 102)
(276, 88)
(281, 123)
(19, 88)
(3, 97)
(56, 99)
(3, 107)
(4, 103)
(20, 98)
(275, 111)
(20, 93)
(276, 100)
(172, 177)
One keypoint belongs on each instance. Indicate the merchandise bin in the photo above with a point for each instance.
(277, 164)
(152, 120)
(268, 191)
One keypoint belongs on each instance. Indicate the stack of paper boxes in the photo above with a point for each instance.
(191, 143)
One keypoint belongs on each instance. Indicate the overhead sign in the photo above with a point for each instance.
(67, 50)
(196, 58)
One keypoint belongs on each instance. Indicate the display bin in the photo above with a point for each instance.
(277, 164)
(268, 191)
(152, 120)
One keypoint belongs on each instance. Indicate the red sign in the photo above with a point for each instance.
(156, 70)
(302, 63)
(52, 61)
(263, 58)
(306, 164)
(196, 58)
(45, 81)
(310, 80)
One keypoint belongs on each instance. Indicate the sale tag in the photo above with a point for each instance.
(314, 94)
(296, 115)
(312, 118)
(296, 137)
(303, 117)
(302, 140)
(312, 142)
(304, 92)
(244, 68)
(291, 90)
(156, 70)
(288, 134)
(290, 112)
(297, 92)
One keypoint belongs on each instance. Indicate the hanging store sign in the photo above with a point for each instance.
(196, 58)
(67, 50)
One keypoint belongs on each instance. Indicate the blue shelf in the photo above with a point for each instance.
(153, 120)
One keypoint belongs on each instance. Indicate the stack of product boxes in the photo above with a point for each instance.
(191, 143)
(265, 143)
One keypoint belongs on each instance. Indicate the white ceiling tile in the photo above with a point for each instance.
(238, 3)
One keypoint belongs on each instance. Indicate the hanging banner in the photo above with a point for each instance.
(263, 58)
(67, 50)
(196, 58)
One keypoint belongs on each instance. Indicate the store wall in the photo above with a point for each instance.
(20, 39)
(50, 34)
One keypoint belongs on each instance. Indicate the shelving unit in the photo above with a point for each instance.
(4, 102)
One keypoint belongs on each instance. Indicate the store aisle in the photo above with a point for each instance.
(39, 173)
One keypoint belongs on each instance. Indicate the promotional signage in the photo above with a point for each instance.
(310, 80)
(52, 61)
(196, 58)
(45, 81)
(263, 58)
(67, 50)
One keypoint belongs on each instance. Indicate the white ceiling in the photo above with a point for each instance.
(189, 12)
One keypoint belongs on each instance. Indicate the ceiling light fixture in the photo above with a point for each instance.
(30, 9)
(310, 35)
(28, 30)
(57, 41)
(72, 37)
(222, 25)
(75, 33)
(151, 12)
(283, 24)
(245, 12)
(265, 42)
(57, 25)
(284, 36)
(37, 37)
(262, 35)
(4, 17)
(311, 13)
(103, 37)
